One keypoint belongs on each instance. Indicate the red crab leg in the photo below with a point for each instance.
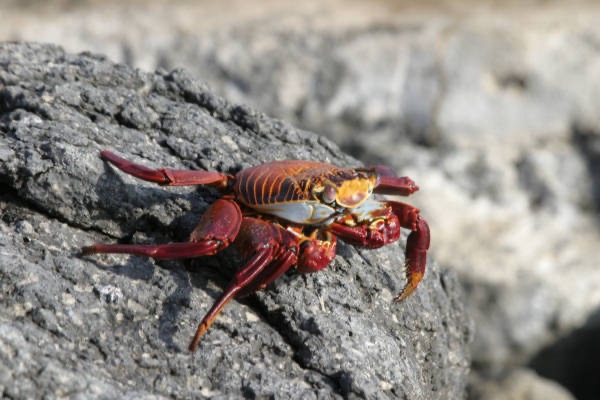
(389, 183)
(157, 251)
(256, 234)
(272, 272)
(314, 255)
(403, 186)
(416, 246)
(218, 227)
(246, 275)
(272, 251)
(167, 177)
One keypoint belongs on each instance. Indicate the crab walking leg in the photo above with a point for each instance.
(417, 245)
(157, 251)
(255, 234)
(403, 186)
(416, 258)
(246, 275)
(389, 183)
(167, 177)
(218, 227)
(271, 249)
(271, 273)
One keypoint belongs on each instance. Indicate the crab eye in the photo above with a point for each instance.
(329, 194)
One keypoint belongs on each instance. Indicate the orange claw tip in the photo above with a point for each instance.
(199, 333)
(413, 281)
(406, 291)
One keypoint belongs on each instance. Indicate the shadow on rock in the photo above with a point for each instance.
(573, 360)
(587, 142)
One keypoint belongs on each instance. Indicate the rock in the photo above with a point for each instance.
(118, 326)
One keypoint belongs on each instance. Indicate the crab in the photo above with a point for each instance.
(286, 214)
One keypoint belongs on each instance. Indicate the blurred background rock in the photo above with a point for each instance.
(491, 106)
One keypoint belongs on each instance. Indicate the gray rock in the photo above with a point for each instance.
(118, 326)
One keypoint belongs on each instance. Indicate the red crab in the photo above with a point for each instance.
(287, 214)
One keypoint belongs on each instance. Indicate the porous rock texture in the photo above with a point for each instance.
(117, 326)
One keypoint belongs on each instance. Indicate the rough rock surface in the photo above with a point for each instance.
(118, 326)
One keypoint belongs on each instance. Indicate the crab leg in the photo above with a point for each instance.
(246, 275)
(271, 273)
(218, 227)
(256, 234)
(158, 251)
(315, 255)
(403, 186)
(389, 183)
(416, 245)
(386, 229)
(167, 177)
(271, 250)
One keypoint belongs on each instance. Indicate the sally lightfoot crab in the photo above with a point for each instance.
(287, 214)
